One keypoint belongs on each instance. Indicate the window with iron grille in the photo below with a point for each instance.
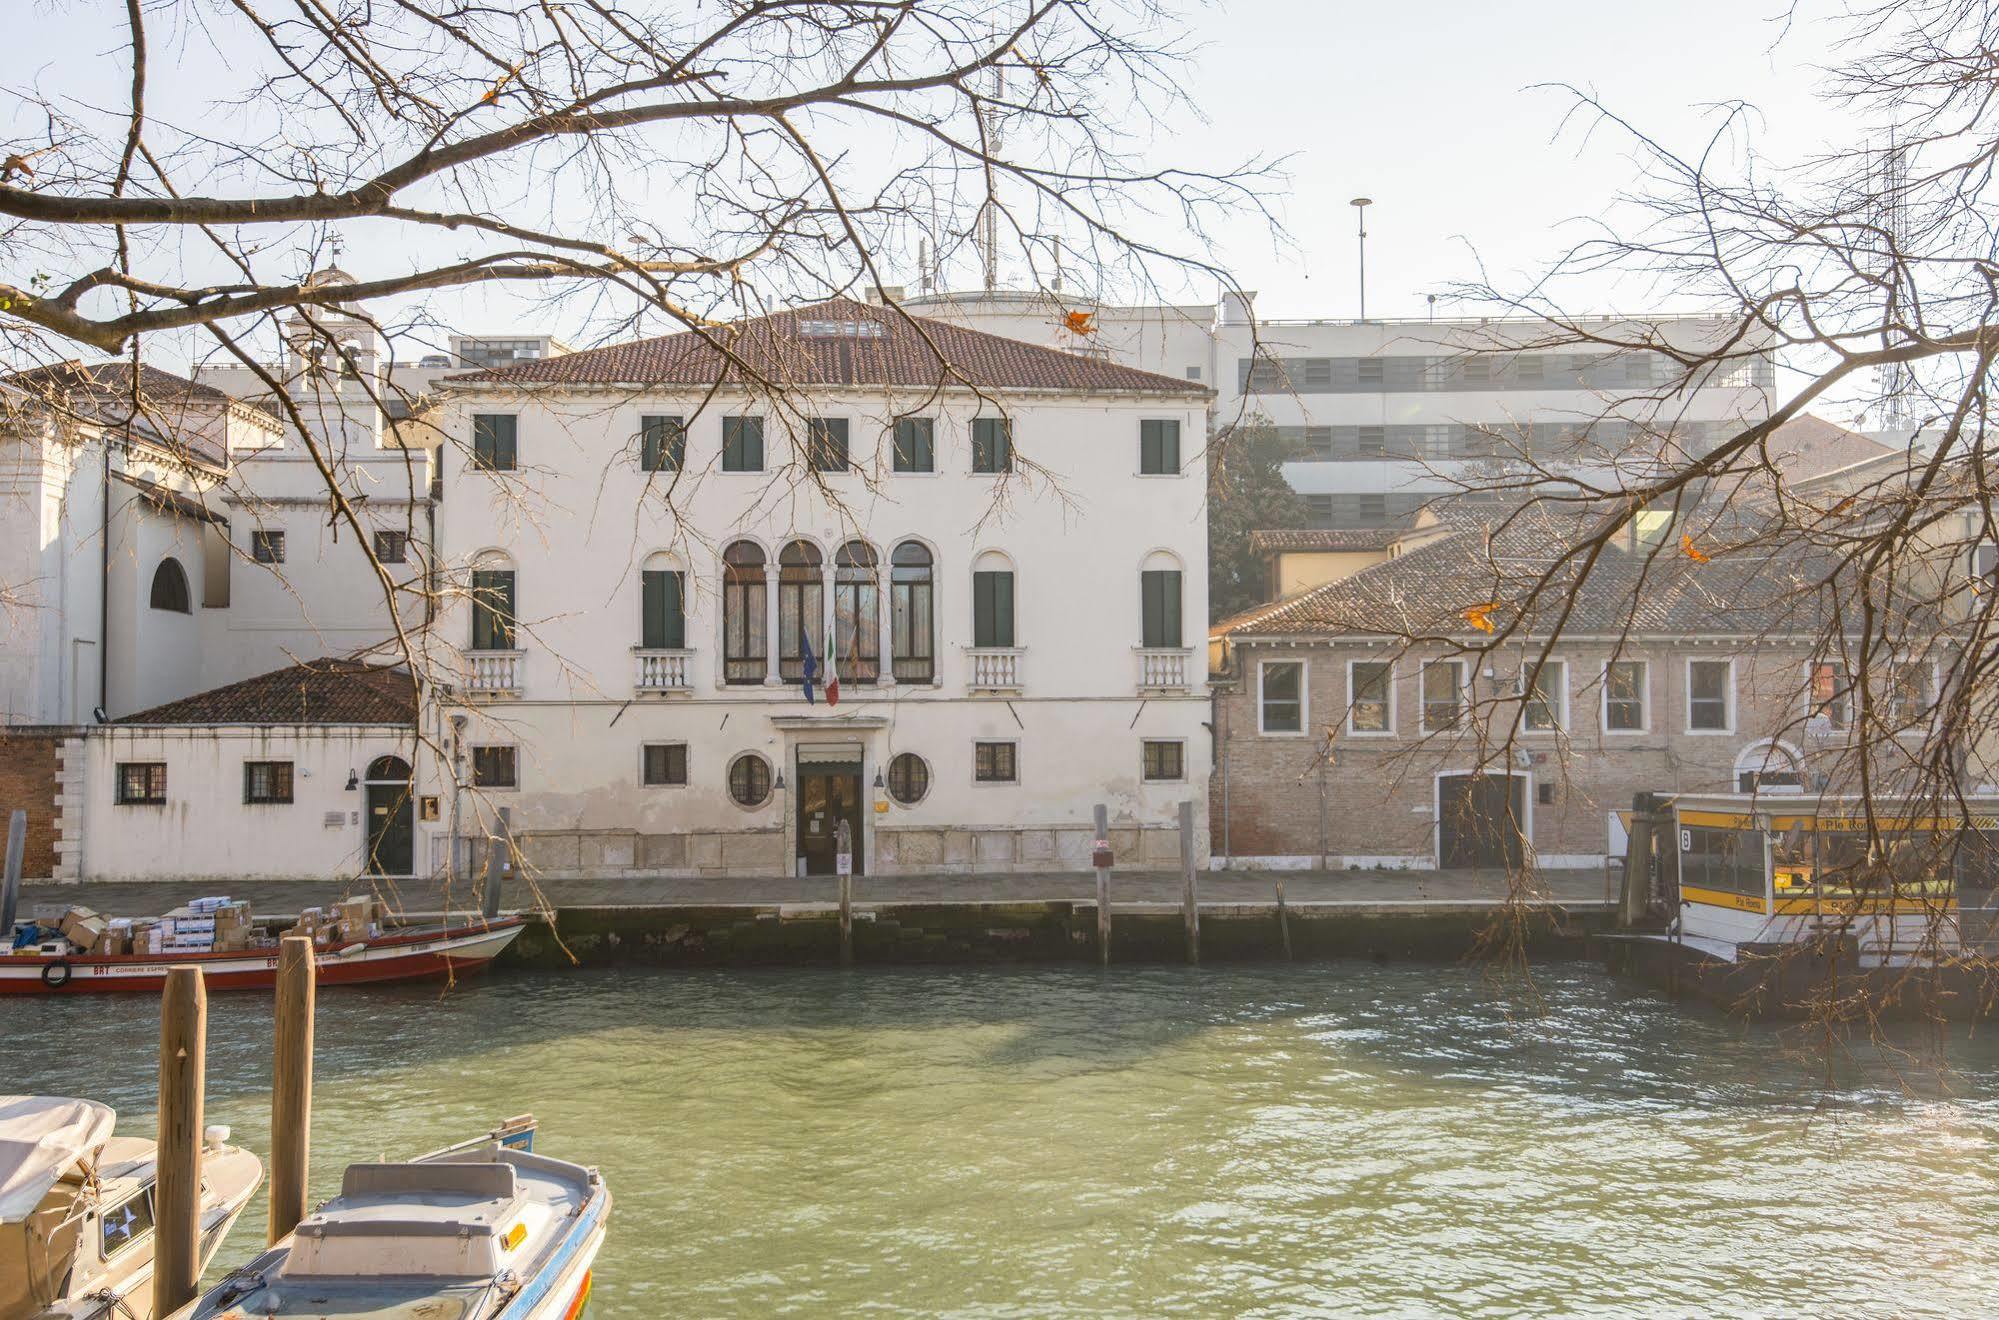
(995, 763)
(142, 783)
(267, 782)
(665, 765)
(1158, 448)
(267, 546)
(392, 547)
(495, 767)
(742, 444)
(662, 444)
(915, 444)
(495, 442)
(1165, 760)
(992, 445)
(908, 778)
(749, 780)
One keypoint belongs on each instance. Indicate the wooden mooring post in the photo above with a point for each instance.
(177, 1191)
(291, 1084)
(843, 864)
(1100, 858)
(499, 857)
(1283, 921)
(1190, 901)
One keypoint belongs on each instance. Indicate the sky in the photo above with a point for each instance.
(1438, 111)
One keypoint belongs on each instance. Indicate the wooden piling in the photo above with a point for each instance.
(291, 1085)
(1283, 921)
(499, 852)
(1102, 818)
(1191, 910)
(177, 1191)
(847, 919)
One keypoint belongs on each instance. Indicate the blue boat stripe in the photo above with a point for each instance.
(531, 1296)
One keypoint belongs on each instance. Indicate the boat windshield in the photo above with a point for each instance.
(1842, 863)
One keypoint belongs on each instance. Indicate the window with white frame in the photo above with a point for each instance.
(1547, 704)
(1830, 695)
(1710, 696)
(1371, 697)
(1911, 692)
(1280, 696)
(1443, 694)
(1626, 685)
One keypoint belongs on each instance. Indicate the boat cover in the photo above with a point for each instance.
(40, 1137)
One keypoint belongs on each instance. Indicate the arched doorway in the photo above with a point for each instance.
(391, 818)
(1769, 765)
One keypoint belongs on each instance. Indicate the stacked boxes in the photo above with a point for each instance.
(86, 930)
(233, 931)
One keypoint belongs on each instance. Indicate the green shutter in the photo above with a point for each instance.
(662, 444)
(742, 444)
(492, 610)
(663, 619)
(1159, 448)
(992, 609)
(992, 445)
(1160, 606)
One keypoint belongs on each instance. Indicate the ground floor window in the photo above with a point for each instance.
(665, 764)
(995, 763)
(1165, 760)
(142, 783)
(495, 767)
(749, 780)
(267, 782)
(908, 778)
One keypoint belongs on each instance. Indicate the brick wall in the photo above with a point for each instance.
(28, 778)
(1375, 797)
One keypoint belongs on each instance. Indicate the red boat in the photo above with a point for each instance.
(403, 954)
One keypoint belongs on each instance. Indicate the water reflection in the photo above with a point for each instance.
(1347, 1138)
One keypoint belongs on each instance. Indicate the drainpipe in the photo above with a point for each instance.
(457, 764)
(104, 586)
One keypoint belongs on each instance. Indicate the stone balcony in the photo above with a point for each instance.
(994, 669)
(494, 673)
(660, 670)
(1164, 669)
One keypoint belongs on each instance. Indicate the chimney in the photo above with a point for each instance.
(883, 294)
(1238, 307)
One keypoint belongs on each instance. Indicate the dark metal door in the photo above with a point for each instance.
(391, 830)
(828, 794)
(1480, 819)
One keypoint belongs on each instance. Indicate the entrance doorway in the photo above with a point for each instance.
(391, 818)
(1481, 821)
(829, 792)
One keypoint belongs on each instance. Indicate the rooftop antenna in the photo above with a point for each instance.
(986, 228)
(1360, 205)
(1891, 206)
(926, 271)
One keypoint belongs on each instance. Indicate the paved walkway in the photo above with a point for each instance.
(1361, 888)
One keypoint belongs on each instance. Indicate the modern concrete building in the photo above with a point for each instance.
(1386, 415)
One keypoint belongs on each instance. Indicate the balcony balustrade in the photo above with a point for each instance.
(661, 671)
(995, 669)
(494, 672)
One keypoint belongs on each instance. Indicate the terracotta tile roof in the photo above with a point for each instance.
(1808, 446)
(1294, 539)
(103, 392)
(317, 692)
(1747, 587)
(841, 342)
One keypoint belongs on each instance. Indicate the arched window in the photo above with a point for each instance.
(912, 625)
(908, 778)
(992, 601)
(857, 611)
(662, 605)
(801, 608)
(1768, 764)
(493, 605)
(749, 780)
(170, 587)
(744, 628)
(388, 770)
(1159, 602)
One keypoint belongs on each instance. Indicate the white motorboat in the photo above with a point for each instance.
(485, 1230)
(76, 1209)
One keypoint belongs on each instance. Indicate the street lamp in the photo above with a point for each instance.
(1360, 205)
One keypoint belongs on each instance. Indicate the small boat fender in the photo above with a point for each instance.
(55, 975)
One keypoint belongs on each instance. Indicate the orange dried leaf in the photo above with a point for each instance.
(1693, 551)
(1480, 616)
(1081, 323)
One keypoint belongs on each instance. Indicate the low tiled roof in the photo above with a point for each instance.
(1742, 588)
(1808, 446)
(840, 342)
(316, 692)
(104, 392)
(1301, 539)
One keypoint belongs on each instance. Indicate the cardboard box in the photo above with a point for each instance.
(86, 933)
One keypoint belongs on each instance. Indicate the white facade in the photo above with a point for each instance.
(1381, 440)
(1076, 697)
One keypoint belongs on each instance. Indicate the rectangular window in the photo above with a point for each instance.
(1159, 448)
(742, 444)
(492, 609)
(1165, 761)
(1911, 692)
(992, 608)
(665, 765)
(495, 442)
(267, 782)
(127, 1223)
(1548, 704)
(142, 783)
(267, 547)
(1159, 591)
(915, 444)
(1372, 683)
(495, 767)
(392, 547)
(1831, 695)
(1624, 685)
(995, 763)
(992, 445)
(662, 616)
(1280, 701)
(1443, 694)
(662, 444)
(1984, 566)
(826, 443)
(1710, 696)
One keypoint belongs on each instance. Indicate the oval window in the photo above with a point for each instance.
(908, 778)
(749, 780)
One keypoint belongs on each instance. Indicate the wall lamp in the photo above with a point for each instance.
(353, 781)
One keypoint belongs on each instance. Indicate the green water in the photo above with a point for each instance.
(1343, 1139)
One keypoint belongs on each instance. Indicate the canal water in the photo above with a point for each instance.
(1343, 1139)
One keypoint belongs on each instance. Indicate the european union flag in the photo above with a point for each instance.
(811, 663)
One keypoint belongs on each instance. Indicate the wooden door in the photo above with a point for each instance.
(1481, 820)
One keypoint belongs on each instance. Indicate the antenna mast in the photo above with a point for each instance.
(1891, 206)
(986, 227)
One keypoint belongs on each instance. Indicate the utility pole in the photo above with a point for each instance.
(1360, 205)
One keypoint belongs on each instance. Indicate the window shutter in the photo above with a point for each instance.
(1160, 599)
(992, 609)
(652, 607)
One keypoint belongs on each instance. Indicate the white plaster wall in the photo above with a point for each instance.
(50, 497)
(206, 832)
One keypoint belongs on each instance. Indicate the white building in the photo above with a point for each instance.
(1389, 414)
(1004, 545)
